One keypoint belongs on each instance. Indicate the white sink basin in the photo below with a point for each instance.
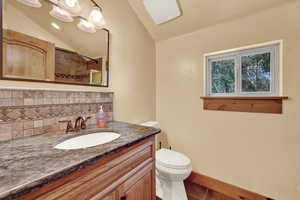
(89, 140)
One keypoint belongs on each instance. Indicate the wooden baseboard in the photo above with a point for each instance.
(225, 188)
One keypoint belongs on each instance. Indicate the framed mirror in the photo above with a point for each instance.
(42, 44)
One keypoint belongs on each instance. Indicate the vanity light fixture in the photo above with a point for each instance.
(56, 26)
(65, 10)
(61, 14)
(72, 6)
(32, 3)
(86, 26)
(96, 17)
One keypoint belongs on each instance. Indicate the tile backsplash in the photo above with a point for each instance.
(33, 112)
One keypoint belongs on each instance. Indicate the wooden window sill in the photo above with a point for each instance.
(258, 104)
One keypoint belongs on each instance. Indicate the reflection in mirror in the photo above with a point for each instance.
(41, 44)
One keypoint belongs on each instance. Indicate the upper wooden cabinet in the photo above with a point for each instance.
(26, 57)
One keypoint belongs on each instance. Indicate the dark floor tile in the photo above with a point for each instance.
(197, 192)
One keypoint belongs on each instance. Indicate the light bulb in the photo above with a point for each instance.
(56, 26)
(71, 3)
(96, 14)
(32, 3)
(72, 6)
(61, 14)
(54, 1)
(86, 26)
(96, 17)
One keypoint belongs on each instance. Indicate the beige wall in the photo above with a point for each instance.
(132, 67)
(259, 152)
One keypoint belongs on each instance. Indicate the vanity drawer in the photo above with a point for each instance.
(100, 179)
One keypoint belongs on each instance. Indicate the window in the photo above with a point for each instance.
(253, 71)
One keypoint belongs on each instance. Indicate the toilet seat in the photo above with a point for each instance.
(172, 160)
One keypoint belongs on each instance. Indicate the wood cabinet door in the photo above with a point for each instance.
(27, 57)
(141, 190)
(139, 187)
(111, 196)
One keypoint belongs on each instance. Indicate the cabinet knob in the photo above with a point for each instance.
(123, 197)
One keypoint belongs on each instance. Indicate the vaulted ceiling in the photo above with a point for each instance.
(198, 14)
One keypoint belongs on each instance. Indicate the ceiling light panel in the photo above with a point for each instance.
(162, 11)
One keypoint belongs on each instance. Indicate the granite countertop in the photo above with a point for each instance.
(29, 163)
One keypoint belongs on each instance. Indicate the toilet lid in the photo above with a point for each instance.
(172, 159)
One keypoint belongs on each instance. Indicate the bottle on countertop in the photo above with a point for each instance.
(101, 118)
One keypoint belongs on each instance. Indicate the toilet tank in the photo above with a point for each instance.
(153, 124)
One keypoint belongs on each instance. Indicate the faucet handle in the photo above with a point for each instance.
(69, 125)
(83, 124)
(86, 118)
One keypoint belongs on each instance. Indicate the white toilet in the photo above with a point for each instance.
(172, 168)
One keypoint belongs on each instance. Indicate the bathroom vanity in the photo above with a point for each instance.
(128, 174)
(119, 170)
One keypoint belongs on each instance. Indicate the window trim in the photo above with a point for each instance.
(276, 78)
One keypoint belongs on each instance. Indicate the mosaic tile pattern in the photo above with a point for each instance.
(26, 113)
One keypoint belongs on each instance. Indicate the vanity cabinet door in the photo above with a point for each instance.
(111, 196)
(139, 187)
(141, 190)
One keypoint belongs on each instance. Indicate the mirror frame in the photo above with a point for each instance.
(54, 82)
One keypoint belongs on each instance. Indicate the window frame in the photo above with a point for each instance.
(275, 50)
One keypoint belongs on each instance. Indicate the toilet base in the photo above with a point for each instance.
(168, 190)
